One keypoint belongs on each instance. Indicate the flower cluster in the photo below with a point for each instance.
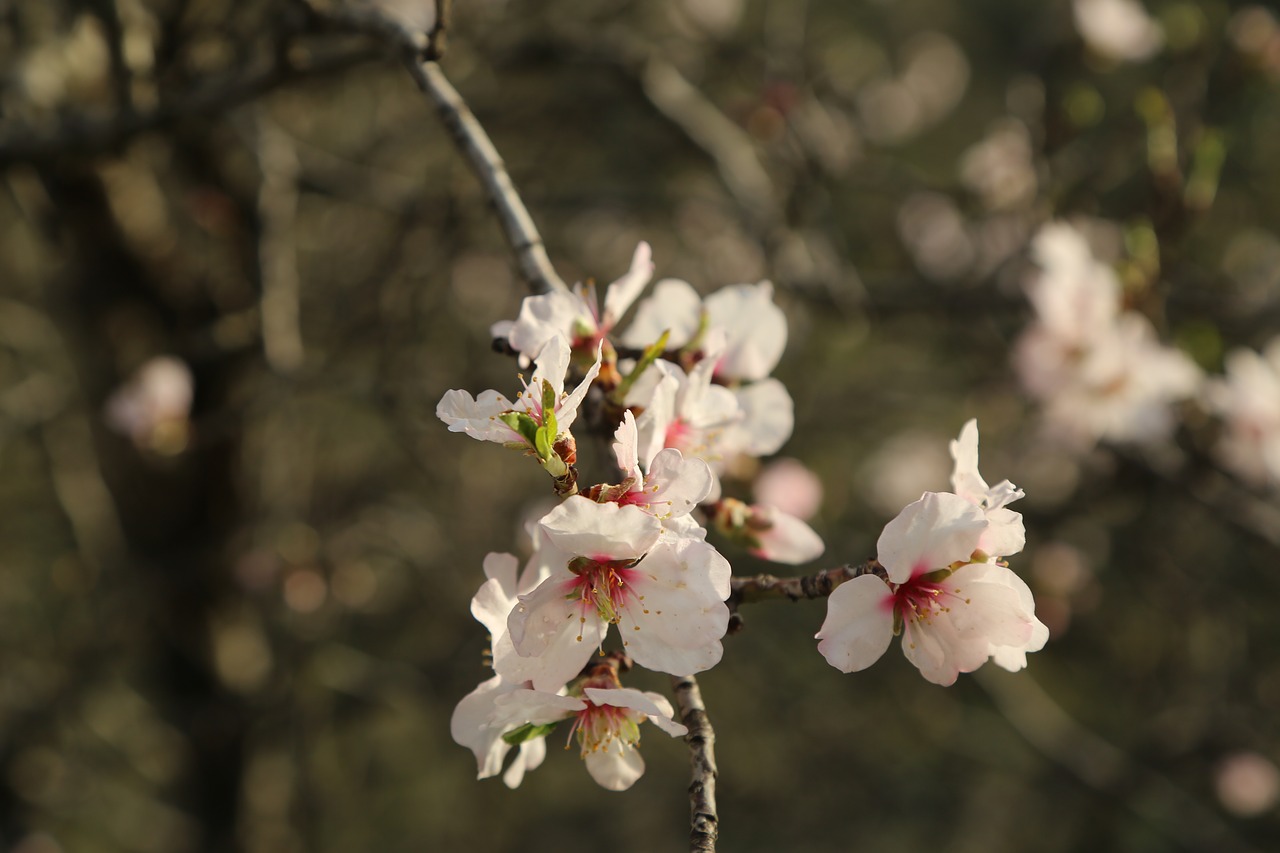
(685, 391)
(1247, 398)
(1099, 370)
(947, 589)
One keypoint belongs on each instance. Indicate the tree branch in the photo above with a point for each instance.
(469, 136)
(820, 585)
(704, 820)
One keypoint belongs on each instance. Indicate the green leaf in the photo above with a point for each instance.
(528, 731)
(549, 410)
(521, 423)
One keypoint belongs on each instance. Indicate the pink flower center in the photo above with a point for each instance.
(919, 599)
(603, 584)
(679, 435)
(599, 726)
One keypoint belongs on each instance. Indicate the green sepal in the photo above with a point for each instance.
(935, 576)
(523, 424)
(528, 732)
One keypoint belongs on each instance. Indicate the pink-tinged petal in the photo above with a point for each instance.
(755, 327)
(659, 414)
(859, 624)
(567, 409)
(932, 533)
(652, 705)
(788, 540)
(934, 650)
(530, 757)
(619, 295)
(989, 611)
(492, 605)
(676, 485)
(551, 626)
(616, 767)
(1006, 534)
(674, 307)
(677, 616)
(626, 446)
(583, 527)
(477, 417)
(965, 479)
(791, 487)
(470, 727)
(768, 417)
(502, 568)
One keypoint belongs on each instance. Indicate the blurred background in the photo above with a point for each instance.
(240, 262)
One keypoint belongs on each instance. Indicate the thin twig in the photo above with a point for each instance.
(819, 585)
(704, 820)
(517, 225)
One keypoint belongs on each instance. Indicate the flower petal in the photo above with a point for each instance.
(859, 624)
(931, 533)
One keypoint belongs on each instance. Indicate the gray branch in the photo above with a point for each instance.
(704, 820)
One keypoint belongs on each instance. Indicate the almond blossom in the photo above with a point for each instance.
(614, 564)
(1005, 534)
(953, 608)
(755, 328)
(576, 316)
(470, 727)
(673, 485)
(539, 418)
(1101, 372)
(606, 721)
(1247, 398)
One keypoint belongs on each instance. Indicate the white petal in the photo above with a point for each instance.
(677, 484)
(674, 306)
(859, 624)
(492, 604)
(582, 526)
(756, 330)
(652, 705)
(545, 317)
(558, 631)
(788, 540)
(531, 754)
(551, 364)
(625, 446)
(522, 705)
(470, 727)
(768, 417)
(477, 417)
(931, 533)
(616, 768)
(965, 479)
(567, 409)
(619, 295)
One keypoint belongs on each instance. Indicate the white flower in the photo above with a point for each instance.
(606, 720)
(470, 727)
(1005, 534)
(673, 485)
(953, 613)
(1119, 30)
(618, 564)
(1101, 372)
(1247, 398)
(492, 417)
(576, 316)
(691, 414)
(755, 328)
